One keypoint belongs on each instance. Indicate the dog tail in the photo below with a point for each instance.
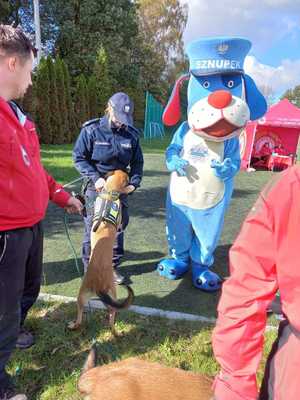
(91, 360)
(109, 301)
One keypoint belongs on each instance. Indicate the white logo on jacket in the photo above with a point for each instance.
(25, 156)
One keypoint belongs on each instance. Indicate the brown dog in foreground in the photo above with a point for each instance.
(99, 279)
(135, 379)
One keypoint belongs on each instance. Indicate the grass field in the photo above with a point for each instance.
(49, 370)
(145, 236)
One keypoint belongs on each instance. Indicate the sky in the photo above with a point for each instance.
(273, 27)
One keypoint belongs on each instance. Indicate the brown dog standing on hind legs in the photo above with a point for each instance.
(135, 379)
(99, 279)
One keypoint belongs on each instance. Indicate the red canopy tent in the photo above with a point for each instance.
(271, 138)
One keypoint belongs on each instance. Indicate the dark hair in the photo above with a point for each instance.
(13, 41)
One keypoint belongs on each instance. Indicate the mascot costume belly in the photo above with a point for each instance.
(204, 154)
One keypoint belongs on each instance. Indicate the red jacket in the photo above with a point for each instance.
(25, 187)
(263, 259)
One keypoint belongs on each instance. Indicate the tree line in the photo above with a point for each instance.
(94, 48)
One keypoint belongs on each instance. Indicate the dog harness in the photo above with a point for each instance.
(107, 208)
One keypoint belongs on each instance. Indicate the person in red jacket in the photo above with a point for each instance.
(263, 260)
(25, 189)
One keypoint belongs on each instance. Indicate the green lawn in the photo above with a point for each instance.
(145, 237)
(50, 370)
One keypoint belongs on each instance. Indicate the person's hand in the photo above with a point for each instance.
(74, 206)
(128, 189)
(99, 184)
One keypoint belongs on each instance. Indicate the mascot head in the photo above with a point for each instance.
(221, 97)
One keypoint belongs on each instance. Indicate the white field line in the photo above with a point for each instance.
(97, 304)
(153, 312)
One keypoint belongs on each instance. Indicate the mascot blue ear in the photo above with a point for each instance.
(255, 100)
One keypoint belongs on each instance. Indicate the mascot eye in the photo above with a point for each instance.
(206, 84)
(230, 84)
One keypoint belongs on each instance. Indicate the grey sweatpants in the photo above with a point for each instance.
(282, 375)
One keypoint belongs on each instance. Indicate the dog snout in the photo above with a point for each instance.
(220, 99)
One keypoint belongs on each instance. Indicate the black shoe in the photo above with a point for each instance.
(11, 394)
(25, 339)
(119, 279)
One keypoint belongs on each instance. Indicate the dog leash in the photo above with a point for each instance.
(81, 198)
(71, 244)
(75, 258)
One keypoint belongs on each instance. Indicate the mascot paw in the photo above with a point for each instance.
(205, 279)
(172, 269)
(223, 170)
(178, 164)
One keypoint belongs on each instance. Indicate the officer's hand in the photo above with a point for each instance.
(74, 206)
(99, 184)
(128, 189)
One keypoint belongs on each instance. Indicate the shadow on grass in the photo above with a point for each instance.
(220, 265)
(65, 271)
(179, 295)
(51, 368)
(153, 173)
(244, 192)
(61, 271)
(55, 218)
(148, 203)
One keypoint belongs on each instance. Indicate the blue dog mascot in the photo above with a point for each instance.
(204, 154)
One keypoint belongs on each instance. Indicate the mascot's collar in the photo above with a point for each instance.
(231, 135)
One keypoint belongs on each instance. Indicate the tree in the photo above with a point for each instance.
(5, 11)
(93, 100)
(161, 26)
(72, 133)
(81, 101)
(55, 114)
(62, 102)
(28, 102)
(104, 80)
(293, 95)
(17, 12)
(42, 92)
(83, 26)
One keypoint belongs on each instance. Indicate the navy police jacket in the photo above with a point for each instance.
(100, 149)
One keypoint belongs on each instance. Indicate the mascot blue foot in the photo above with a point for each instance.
(205, 279)
(172, 269)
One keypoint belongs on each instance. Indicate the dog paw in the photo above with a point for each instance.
(72, 325)
(117, 334)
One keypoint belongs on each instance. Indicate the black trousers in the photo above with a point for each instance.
(21, 252)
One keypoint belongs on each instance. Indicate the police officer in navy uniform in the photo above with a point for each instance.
(105, 145)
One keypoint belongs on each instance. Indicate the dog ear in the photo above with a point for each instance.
(172, 111)
(256, 102)
(109, 173)
(91, 359)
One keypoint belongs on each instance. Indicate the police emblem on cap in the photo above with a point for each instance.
(222, 48)
(127, 108)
